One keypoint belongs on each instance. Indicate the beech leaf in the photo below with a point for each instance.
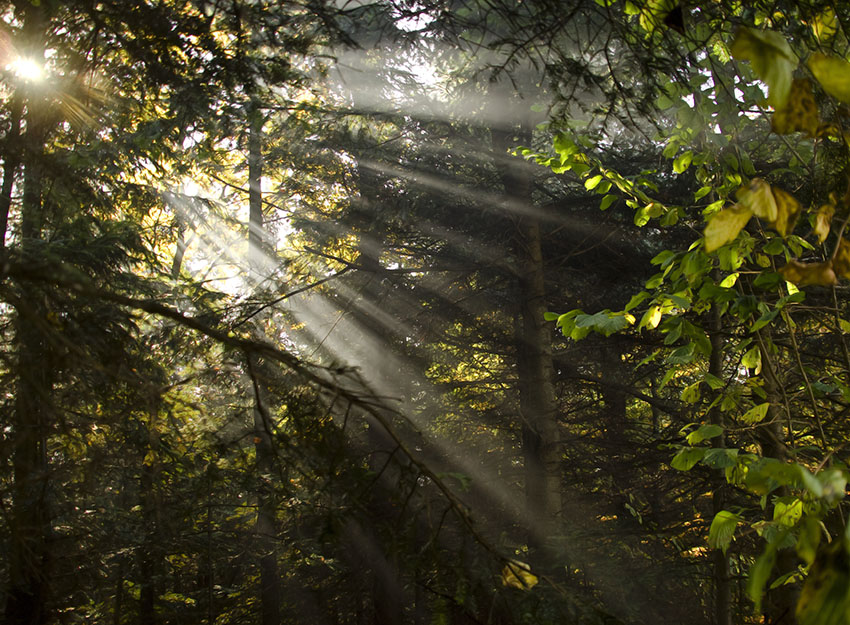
(802, 274)
(800, 113)
(833, 74)
(823, 221)
(722, 529)
(725, 225)
(518, 574)
(787, 209)
(771, 58)
(759, 198)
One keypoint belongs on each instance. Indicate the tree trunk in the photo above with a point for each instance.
(721, 571)
(266, 525)
(27, 597)
(781, 602)
(533, 337)
(256, 229)
(11, 163)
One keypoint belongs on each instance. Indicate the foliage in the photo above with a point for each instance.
(737, 334)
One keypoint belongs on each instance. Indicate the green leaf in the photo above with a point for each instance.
(691, 395)
(808, 539)
(760, 572)
(709, 430)
(651, 318)
(752, 358)
(720, 458)
(756, 414)
(607, 201)
(714, 382)
(787, 511)
(771, 58)
(701, 193)
(722, 529)
(811, 482)
(825, 597)
(687, 457)
(592, 182)
(763, 321)
(683, 161)
(605, 322)
(681, 355)
(833, 74)
(550, 316)
(636, 300)
(724, 226)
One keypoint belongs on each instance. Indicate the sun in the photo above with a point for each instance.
(26, 69)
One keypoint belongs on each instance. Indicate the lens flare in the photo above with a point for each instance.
(26, 69)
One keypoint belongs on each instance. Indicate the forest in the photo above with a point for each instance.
(427, 312)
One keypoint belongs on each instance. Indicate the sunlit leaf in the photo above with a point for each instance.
(690, 395)
(518, 574)
(592, 182)
(682, 162)
(752, 358)
(787, 511)
(772, 60)
(651, 318)
(759, 198)
(606, 202)
(725, 225)
(787, 209)
(800, 112)
(704, 432)
(833, 74)
(756, 414)
(653, 13)
(604, 322)
(824, 25)
(823, 221)
(722, 529)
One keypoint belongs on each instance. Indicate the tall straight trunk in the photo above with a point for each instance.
(27, 596)
(149, 552)
(533, 337)
(11, 163)
(781, 602)
(721, 571)
(266, 525)
(256, 231)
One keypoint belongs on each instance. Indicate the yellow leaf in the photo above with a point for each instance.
(802, 274)
(800, 113)
(841, 263)
(725, 225)
(771, 57)
(824, 25)
(759, 198)
(833, 74)
(653, 13)
(651, 318)
(518, 574)
(787, 209)
(823, 220)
